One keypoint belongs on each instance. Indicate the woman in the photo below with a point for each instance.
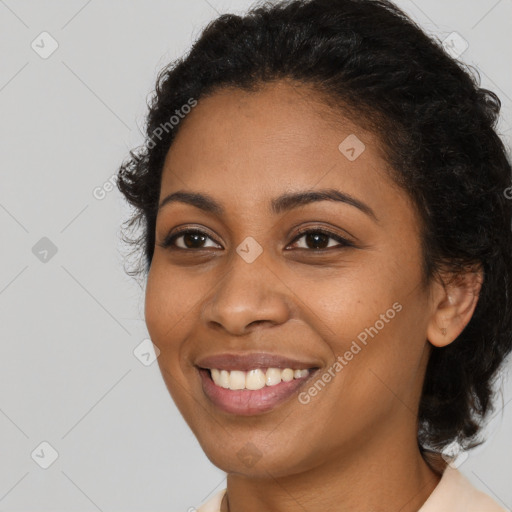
(326, 241)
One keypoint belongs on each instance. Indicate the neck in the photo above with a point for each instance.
(384, 476)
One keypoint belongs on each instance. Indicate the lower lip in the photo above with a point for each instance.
(245, 402)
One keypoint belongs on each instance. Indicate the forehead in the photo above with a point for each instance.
(281, 118)
(244, 146)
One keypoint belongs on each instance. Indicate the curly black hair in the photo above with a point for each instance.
(368, 59)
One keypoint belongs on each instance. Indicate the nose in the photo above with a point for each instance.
(248, 295)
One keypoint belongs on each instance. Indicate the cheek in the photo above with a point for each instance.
(169, 316)
(374, 322)
(157, 305)
(167, 310)
(169, 299)
(345, 306)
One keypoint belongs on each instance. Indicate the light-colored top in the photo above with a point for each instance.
(453, 493)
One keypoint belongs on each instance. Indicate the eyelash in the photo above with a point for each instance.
(168, 242)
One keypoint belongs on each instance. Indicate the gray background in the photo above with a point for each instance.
(70, 321)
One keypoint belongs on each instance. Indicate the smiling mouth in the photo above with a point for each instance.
(256, 378)
(254, 391)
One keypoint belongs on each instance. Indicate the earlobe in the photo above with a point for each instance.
(454, 303)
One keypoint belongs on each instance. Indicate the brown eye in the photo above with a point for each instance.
(188, 239)
(314, 239)
(318, 239)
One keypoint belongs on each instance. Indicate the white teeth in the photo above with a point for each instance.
(224, 379)
(287, 375)
(215, 375)
(236, 379)
(273, 376)
(254, 379)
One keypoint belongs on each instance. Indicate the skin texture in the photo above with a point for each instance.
(353, 446)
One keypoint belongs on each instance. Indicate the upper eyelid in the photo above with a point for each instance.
(301, 232)
(186, 230)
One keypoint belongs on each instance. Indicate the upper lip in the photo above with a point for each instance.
(245, 362)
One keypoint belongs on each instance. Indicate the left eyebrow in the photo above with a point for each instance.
(292, 200)
(283, 203)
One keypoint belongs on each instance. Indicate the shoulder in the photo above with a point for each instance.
(212, 504)
(455, 493)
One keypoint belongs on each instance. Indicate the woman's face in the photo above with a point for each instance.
(252, 283)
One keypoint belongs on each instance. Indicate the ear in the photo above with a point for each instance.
(454, 299)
